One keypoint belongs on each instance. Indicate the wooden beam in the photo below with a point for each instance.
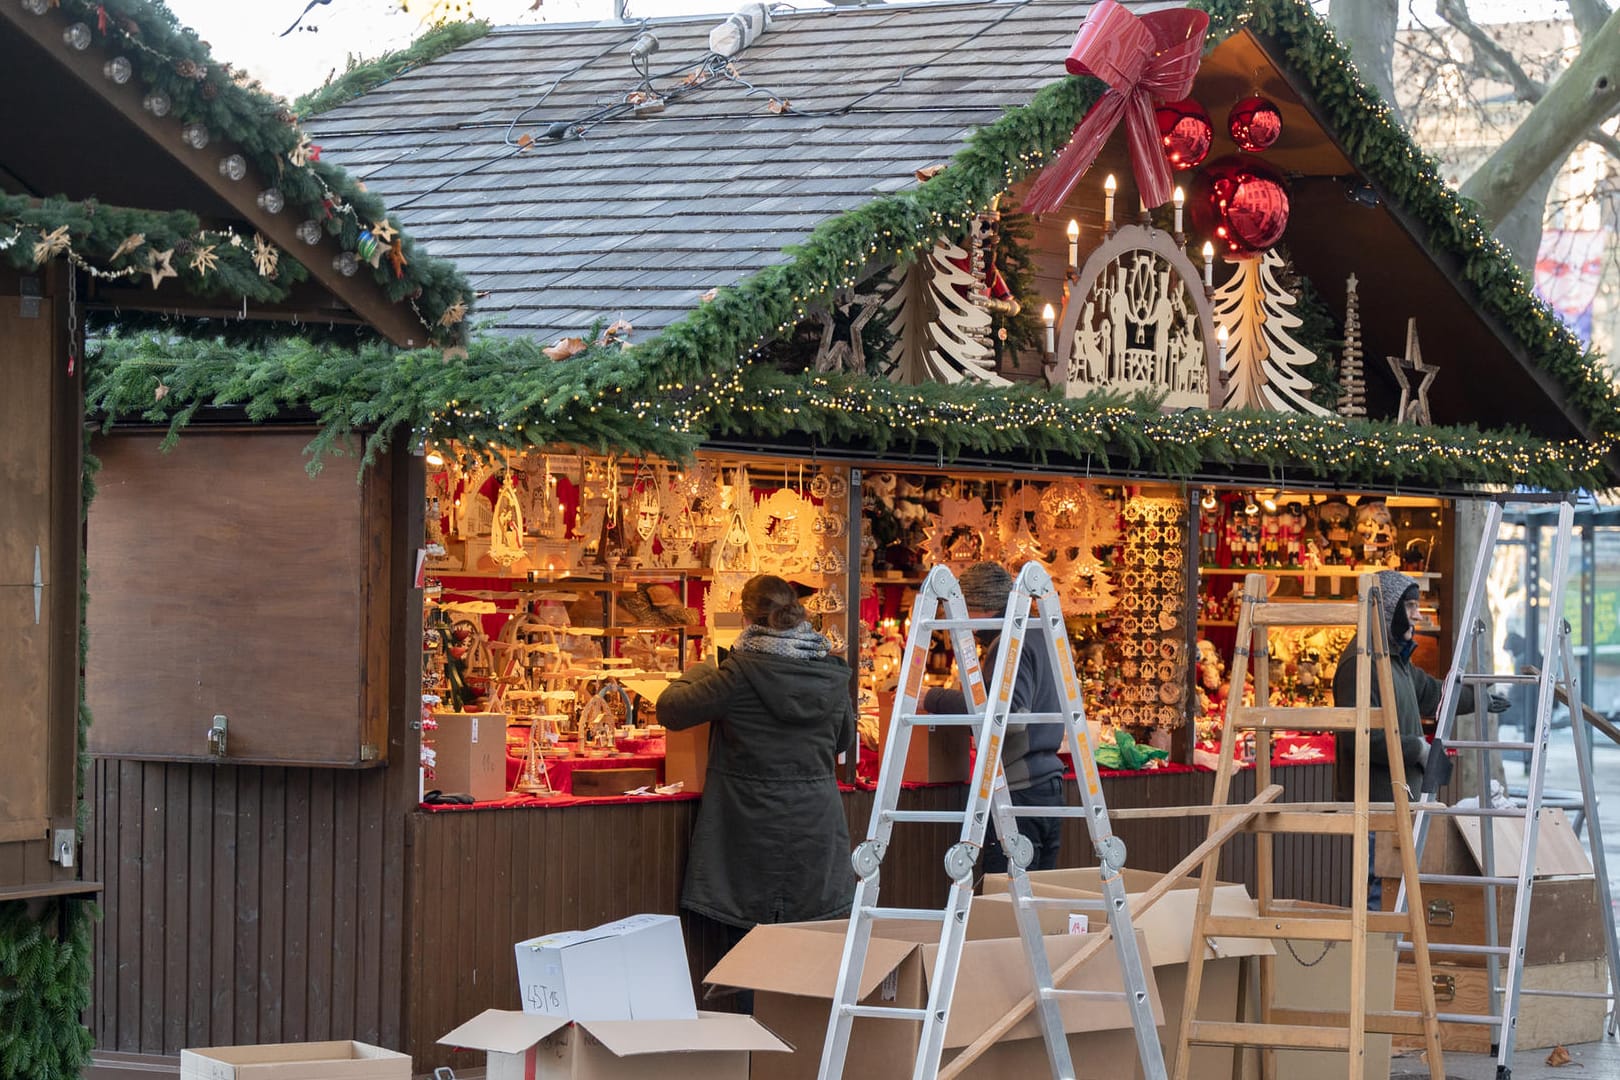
(395, 321)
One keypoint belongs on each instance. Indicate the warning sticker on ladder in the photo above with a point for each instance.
(1011, 665)
(991, 767)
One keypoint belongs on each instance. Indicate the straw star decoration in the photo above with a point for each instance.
(160, 265)
(384, 231)
(454, 313)
(51, 244)
(203, 260)
(131, 242)
(305, 152)
(266, 256)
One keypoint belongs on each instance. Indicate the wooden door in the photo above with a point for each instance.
(39, 561)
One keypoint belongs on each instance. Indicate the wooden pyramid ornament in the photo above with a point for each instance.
(1352, 379)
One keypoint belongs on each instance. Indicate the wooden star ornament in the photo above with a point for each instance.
(160, 265)
(1414, 404)
(384, 231)
(51, 244)
(203, 260)
(266, 256)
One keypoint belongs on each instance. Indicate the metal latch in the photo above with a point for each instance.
(1442, 913)
(28, 300)
(1445, 987)
(216, 737)
(39, 584)
(370, 751)
(63, 844)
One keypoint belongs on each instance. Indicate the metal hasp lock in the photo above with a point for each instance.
(63, 843)
(444, 1072)
(1442, 913)
(216, 737)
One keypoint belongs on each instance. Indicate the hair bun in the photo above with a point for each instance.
(767, 600)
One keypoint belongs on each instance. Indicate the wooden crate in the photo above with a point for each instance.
(1543, 1021)
(1566, 920)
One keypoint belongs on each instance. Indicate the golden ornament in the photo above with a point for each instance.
(160, 265)
(266, 256)
(51, 244)
(131, 242)
(384, 231)
(203, 260)
(454, 313)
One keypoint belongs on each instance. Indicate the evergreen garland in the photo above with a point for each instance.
(44, 987)
(1011, 335)
(364, 76)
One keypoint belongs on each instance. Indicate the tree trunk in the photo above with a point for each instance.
(1578, 101)
(1367, 27)
(1521, 228)
(1470, 532)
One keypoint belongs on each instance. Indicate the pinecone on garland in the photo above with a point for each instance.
(210, 91)
(188, 69)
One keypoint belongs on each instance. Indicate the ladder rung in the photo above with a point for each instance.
(1310, 718)
(1475, 744)
(975, 719)
(1050, 811)
(1485, 678)
(1290, 1036)
(1379, 1023)
(885, 1012)
(1058, 993)
(1314, 614)
(1591, 995)
(915, 914)
(1456, 1018)
(1272, 928)
(1475, 811)
(1466, 879)
(961, 624)
(945, 817)
(1070, 903)
(1470, 950)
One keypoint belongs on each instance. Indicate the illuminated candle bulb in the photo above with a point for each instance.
(1220, 340)
(1209, 266)
(1179, 199)
(1108, 201)
(1074, 243)
(1049, 317)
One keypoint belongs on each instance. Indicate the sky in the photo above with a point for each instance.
(250, 35)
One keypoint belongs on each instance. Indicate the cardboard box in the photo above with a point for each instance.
(340, 1060)
(935, 755)
(792, 968)
(471, 754)
(686, 756)
(1315, 975)
(589, 782)
(1167, 927)
(632, 969)
(711, 1046)
(1543, 1021)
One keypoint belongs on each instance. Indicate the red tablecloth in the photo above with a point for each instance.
(644, 753)
(527, 802)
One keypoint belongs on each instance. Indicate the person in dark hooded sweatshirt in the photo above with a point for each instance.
(770, 844)
(1029, 752)
(1417, 694)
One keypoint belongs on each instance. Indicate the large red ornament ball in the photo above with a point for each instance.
(1254, 123)
(1243, 202)
(1185, 131)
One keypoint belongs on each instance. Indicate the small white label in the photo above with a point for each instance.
(1079, 923)
(475, 729)
(891, 986)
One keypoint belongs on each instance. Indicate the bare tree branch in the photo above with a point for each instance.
(1589, 15)
(1496, 57)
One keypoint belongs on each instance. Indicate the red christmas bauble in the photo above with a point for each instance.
(1243, 202)
(1185, 132)
(1254, 123)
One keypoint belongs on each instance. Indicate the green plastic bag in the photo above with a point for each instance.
(1126, 753)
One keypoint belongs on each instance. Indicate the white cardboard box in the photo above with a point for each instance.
(632, 969)
(337, 1060)
(711, 1046)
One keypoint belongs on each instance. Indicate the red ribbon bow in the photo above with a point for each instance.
(1142, 59)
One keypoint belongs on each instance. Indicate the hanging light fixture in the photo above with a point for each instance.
(1208, 501)
(1249, 506)
(1268, 502)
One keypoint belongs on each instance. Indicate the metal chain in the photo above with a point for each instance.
(72, 320)
(1327, 947)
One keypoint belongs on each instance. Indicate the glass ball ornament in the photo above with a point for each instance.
(118, 69)
(1243, 203)
(77, 37)
(233, 166)
(1254, 124)
(366, 245)
(346, 263)
(1185, 132)
(157, 103)
(36, 7)
(271, 200)
(309, 231)
(195, 135)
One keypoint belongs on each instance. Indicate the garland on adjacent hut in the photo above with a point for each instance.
(44, 987)
(364, 76)
(180, 79)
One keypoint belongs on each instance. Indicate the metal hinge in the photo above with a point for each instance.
(1445, 987)
(369, 752)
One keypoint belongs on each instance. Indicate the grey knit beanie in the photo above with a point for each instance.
(1392, 590)
(986, 586)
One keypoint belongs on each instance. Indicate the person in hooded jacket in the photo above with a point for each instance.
(1417, 694)
(770, 844)
(1029, 753)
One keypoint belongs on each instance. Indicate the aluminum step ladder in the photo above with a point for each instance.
(1556, 678)
(987, 799)
(1302, 1026)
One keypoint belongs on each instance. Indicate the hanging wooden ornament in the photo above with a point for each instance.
(506, 524)
(956, 535)
(130, 243)
(203, 259)
(51, 244)
(1264, 363)
(1414, 404)
(266, 256)
(160, 265)
(782, 525)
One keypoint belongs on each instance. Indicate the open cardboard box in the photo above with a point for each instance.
(338, 1060)
(792, 968)
(521, 1046)
(630, 969)
(1167, 928)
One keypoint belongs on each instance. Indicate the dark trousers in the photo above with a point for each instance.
(1044, 833)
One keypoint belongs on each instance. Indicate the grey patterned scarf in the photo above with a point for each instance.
(800, 643)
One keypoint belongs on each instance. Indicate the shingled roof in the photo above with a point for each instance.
(640, 217)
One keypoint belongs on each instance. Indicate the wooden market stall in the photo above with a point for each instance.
(264, 690)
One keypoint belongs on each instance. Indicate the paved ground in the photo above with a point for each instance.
(1589, 1061)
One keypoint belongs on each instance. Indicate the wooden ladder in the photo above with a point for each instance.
(1297, 1028)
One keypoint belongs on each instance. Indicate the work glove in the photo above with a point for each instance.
(1499, 702)
(1435, 778)
(1423, 757)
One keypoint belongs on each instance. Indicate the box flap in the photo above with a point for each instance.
(994, 977)
(1559, 852)
(710, 1031)
(789, 958)
(502, 1031)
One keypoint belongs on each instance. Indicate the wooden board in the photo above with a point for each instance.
(1566, 920)
(230, 582)
(1543, 1021)
(1559, 851)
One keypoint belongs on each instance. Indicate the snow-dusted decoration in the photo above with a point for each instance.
(1414, 403)
(1352, 379)
(940, 326)
(1138, 322)
(1264, 364)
